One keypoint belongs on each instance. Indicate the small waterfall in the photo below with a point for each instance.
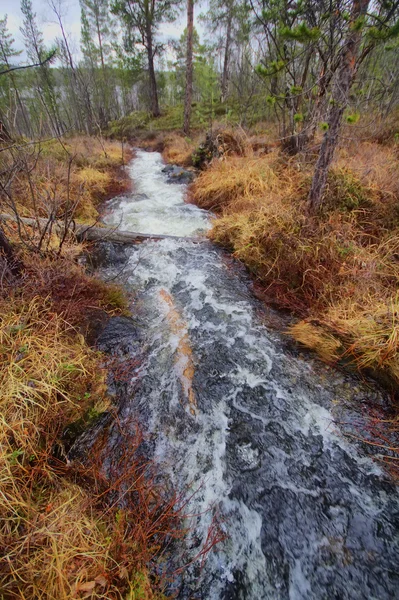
(234, 413)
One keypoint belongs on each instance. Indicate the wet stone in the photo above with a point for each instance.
(177, 174)
(104, 254)
(119, 335)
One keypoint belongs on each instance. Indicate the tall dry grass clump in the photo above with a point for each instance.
(50, 541)
(243, 179)
(178, 150)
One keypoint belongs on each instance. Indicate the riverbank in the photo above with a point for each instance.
(62, 535)
(337, 269)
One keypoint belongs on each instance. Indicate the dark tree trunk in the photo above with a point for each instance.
(340, 96)
(7, 250)
(225, 75)
(4, 135)
(151, 73)
(189, 67)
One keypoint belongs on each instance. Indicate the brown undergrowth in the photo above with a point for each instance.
(175, 147)
(68, 529)
(194, 151)
(72, 174)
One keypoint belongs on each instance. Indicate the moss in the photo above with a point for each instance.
(114, 297)
(345, 192)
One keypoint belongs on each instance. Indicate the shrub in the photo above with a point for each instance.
(344, 192)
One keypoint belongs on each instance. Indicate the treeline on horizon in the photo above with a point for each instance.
(261, 60)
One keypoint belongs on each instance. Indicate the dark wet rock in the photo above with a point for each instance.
(178, 174)
(94, 324)
(121, 339)
(119, 335)
(105, 254)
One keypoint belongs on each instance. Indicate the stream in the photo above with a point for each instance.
(233, 411)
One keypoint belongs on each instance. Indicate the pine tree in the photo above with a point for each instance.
(38, 53)
(7, 54)
(142, 19)
(189, 67)
(96, 48)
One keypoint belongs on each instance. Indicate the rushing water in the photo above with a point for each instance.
(234, 413)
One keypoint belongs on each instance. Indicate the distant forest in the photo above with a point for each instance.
(261, 60)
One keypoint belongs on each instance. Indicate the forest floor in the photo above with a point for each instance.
(60, 535)
(336, 271)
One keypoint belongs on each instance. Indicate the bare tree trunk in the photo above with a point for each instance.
(225, 75)
(189, 67)
(104, 82)
(151, 72)
(340, 96)
(5, 247)
(79, 90)
(4, 135)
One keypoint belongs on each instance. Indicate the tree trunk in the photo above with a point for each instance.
(151, 73)
(4, 135)
(189, 67)
(79, 90)
(225, 75)
(340, 97)
(7, 250)
(88, 232)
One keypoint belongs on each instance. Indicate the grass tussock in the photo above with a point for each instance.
(178, 150)
(174, 147)
(338, 270)
(236, 180)
(50, 540)
(72, 292)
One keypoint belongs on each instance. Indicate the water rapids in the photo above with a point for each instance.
(233, 411)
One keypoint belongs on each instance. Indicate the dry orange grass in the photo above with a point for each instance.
(338, 269)
(50, 540)
(235, 179)
(178, 150)
(87, 151)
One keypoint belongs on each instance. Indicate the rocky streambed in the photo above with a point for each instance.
(233, 413)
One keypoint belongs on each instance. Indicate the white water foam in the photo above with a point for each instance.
(155, 206)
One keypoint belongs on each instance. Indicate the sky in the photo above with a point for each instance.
(71, 19)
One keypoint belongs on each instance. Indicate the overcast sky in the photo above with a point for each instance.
(72, 22)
